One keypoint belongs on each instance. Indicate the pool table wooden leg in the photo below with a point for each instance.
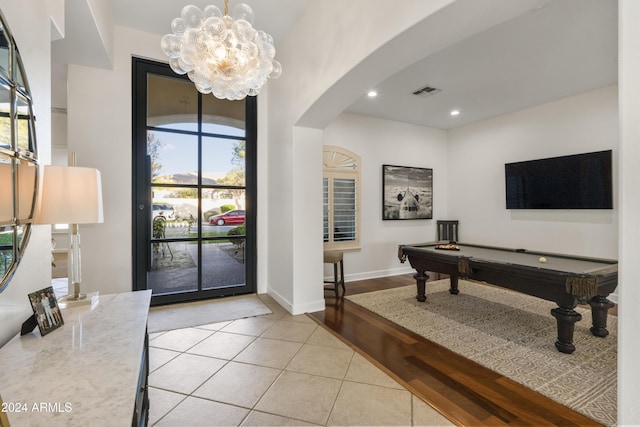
(566, 319)
(421, 278)
(599, 308)
(453, 289)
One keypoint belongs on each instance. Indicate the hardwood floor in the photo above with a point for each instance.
(464, 391)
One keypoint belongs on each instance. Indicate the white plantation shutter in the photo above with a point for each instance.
(344, 210)
(341, 190)
(325, 209)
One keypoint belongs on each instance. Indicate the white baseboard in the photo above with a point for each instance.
(375, 274)
(296, 309)
(285, 303)
(311, 307)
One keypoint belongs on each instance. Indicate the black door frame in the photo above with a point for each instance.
(141, 196)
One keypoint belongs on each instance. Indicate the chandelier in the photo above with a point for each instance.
(223, 55)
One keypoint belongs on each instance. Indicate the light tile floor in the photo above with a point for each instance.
(272, 370)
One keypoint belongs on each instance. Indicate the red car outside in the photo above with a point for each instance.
(232, 217)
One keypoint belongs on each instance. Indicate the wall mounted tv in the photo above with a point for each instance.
(580, 181)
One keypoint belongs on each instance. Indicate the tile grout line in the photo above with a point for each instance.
(333, 406)
(201, 384)
(227, 363)
(316, 328)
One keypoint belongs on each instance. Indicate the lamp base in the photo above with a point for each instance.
(73, 298)
(69, 301)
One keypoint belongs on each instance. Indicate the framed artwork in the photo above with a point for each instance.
(46, 310)
(407, 192)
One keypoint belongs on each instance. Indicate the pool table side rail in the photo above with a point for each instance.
(582, 285)
(497, 248)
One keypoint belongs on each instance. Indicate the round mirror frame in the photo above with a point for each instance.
(18, 157)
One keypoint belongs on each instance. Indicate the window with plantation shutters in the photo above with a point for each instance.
(341, 195)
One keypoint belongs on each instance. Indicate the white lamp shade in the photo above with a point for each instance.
(6, 192)
(70, 195)
(26, 189)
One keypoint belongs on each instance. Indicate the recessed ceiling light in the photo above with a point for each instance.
(372, 94)
(455, 112)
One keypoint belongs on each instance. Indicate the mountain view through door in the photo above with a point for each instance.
(194, 169)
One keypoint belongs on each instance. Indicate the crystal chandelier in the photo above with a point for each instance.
(223, 55)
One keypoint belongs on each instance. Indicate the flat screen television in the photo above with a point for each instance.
(580, 181)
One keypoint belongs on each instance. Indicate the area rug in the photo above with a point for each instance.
(199, 313)
(512, 334)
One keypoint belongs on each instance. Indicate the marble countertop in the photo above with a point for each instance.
(83, 373)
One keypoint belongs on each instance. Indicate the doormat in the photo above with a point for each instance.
(186, 315)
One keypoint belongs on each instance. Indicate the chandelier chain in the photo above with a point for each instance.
(226, 7)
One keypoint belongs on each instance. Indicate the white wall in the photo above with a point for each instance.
(262, 226)
(99, 131)
(34, 271)
(307, 223)
(381, 142)
(629, 279)
(478, 152)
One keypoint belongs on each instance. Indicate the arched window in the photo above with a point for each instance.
(341, 198)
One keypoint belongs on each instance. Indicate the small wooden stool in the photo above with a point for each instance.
(335, 258)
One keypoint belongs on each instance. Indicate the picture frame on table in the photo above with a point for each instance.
(407, 192)
(46, 310)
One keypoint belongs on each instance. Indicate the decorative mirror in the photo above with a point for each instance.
(18, 157)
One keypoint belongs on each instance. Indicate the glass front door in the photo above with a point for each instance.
(194, 187)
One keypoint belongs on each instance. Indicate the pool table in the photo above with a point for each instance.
(564, 279)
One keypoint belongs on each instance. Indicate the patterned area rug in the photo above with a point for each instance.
(512, 334)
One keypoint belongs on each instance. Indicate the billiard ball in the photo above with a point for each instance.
(542, 259)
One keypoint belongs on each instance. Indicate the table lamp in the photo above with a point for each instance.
(71, 195)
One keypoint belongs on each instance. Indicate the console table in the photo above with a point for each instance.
(91, 371)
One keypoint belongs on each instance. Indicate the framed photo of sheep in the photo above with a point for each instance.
(407, 192)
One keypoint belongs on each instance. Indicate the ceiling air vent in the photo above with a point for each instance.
(427, 91)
